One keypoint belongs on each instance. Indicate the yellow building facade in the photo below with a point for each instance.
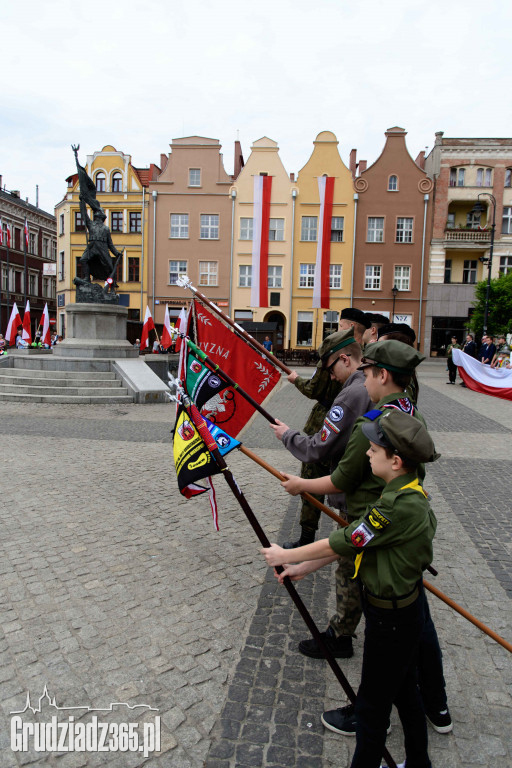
(121, 190)
(309, 326)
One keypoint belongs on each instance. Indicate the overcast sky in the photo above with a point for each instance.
(137, 74)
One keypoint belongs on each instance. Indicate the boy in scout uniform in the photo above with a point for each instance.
(388, 366)
(391, 545)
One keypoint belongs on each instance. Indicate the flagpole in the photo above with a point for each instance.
(8, 237)
(25, 238)
(184, 282)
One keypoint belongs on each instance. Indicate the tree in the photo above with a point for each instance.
(500, 306)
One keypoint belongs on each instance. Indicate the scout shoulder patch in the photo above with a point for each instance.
(376, 519)
(336, 413)
(401, 404)
(362, 535)
(332, 426)
(324, 433)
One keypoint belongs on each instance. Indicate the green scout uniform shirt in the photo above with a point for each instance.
(318, 387)
(450, 348)
(394, 538)
(353, 475)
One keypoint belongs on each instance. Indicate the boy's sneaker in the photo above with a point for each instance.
(440, 721)
(398, 765)
(342, 720)
(340, 647)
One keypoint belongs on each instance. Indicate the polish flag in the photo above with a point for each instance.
(182, 327)
(14, 324)
(323, 251)
(8, 233)
(166, 337)
(482, 378)
(181, 345)
(46, 338)
(26, 232)
(146, 328)
(1, 232)
(27, 335)
(261, 219)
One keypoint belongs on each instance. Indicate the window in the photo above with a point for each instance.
(209, 226)
(117, 182)
(508, 177)
(32, 283)
(469, 271)
(506, 222)
(32, 243)
(176, 268)
(484, 177)
(375, 232)
(61, 265)
(337, 223)
(304, 328)
(460, 177)
(194, 177)
(179, 225)
(245, 228)
(404, 230)
(393, 184)
(372, 275)
(448, 271)
(20, 277)
(450, 224)
(402, 278)
(309, 228)
(457, 176)
(45, 247)
(330, 324)
(133, 269)
(276, 229)
(49, 287)
(4, 278)
(135, 221)
(78, 267)
(335, 276)
(505, 265)
(488, 177)
(54, 251)
(12, 279)
(116, 221)
(275, 277)
(208, 271)
(244, 276)
(100, 182)
(306, 275)
(79, 223)
(473, 220)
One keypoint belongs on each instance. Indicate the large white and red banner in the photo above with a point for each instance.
(482, 378)
(253, 372)
(323, 251)
(260, 227)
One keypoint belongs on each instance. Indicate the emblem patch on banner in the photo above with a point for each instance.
(186, 430)
(376, 519)
(336, 413)
(362, 535)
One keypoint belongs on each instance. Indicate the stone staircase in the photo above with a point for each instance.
(46, 380)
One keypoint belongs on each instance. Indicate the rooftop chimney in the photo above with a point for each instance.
(352, 162)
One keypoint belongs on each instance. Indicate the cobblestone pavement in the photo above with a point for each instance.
(114, 589)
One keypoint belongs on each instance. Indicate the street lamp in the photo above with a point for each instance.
(394, 291)
(479, 208)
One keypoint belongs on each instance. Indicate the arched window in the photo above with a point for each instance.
(508, 177)
(117, 182)
(393, 184)
(100, 182)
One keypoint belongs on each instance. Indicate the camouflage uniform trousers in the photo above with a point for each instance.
(310, 515)
(348, 598)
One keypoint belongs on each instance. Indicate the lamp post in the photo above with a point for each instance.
(479, 208)
(394, 291)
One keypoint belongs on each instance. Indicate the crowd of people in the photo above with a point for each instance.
(365, 444)
(493, 351)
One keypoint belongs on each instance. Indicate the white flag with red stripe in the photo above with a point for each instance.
(13, 325)
(182, 325)
(26, 232)
(27, 333)
(146, 328)
(166, 337)
(1, 232)
(260, 226)
(46, 338)
(8, 234)
(323, 251)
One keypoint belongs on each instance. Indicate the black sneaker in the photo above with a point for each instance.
(307, 536)
(440, 721)
(342, 720)
(340, 647)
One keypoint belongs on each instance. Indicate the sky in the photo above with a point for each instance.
(138, 74)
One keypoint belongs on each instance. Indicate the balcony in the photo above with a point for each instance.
(469, 237)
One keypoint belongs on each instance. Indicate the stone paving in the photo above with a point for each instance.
(115, 589)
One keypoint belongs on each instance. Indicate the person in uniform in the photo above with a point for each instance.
(371, 334)
(452, 368)
(388, 367)
(341, 358)
(390, 546)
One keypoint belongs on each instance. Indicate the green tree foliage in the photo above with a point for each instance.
(500, 306)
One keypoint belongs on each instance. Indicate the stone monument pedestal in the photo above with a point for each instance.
(96, 331)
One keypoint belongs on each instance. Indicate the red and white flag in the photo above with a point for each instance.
(323, 251)
(1, 232)
(13, 325)
(182, 326)
(46, 338)
(260, 226)
(166, 337)
(146, 328)
(8, 234)
(482, 378)
(181, 345)
(26, 232)
(27, 334)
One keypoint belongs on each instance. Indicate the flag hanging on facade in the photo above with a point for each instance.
(46, 338)
(323, 251)
(146, 328)
(13, 325)
(251, 371)
(27, 333)
(1, 232)
(8, 234)
(25, 229)
(166, 337)
(260, 228)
